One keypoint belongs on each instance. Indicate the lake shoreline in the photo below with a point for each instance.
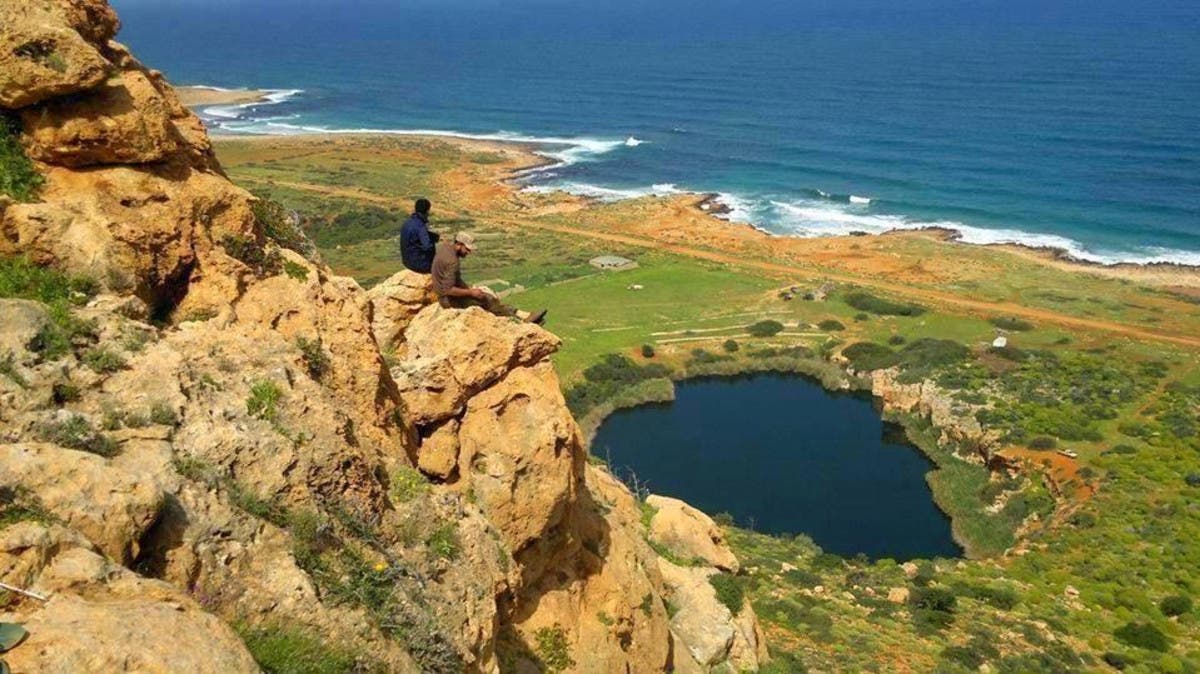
(831, 378)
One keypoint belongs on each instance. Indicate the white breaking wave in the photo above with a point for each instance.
(806, 218)
(607, 194)
(812, 219)
(236, 112)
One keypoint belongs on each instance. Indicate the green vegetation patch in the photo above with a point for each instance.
(872, 304)
(281, 649)
(76, 432)
(606, 379)
(1011, 323)
(553, 649)
(18, 177)
(729, 591)
(263, 402)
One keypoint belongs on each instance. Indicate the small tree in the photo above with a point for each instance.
(1176, 605)
(730, 346)
(647, 351)
(766, 328)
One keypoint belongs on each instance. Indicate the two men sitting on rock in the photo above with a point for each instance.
(421, 252)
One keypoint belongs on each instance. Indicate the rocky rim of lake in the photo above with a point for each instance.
(223, 450)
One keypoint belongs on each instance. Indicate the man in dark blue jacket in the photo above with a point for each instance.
(417, 243)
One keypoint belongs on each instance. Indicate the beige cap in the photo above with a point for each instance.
(466, 240)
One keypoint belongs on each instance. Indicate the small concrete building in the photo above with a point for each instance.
(612, 262)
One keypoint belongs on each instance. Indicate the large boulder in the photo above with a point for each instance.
(521, 449)
(23, 320)
(689, 533)
(124, 121)
(113, 508)
(395, 302)
(44, 56)
(479, 346)
(101, 617)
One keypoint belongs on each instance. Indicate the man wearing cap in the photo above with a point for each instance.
(453, 292)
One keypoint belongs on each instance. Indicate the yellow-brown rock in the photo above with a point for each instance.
(123, 121)
(109, 506)
(689, 533)
(42, 53)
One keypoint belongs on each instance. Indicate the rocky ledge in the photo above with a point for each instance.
(205, 446)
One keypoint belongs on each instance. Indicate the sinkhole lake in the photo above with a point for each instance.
(782, 454)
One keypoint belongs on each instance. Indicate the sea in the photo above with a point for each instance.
(1070, 124)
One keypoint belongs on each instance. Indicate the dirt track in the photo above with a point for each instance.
(791, 272)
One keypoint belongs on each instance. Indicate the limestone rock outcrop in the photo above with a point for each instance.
(111, 507)
(689, 533)
(954, 419)
(101, 617)
(220, 441)
(49, 49)
(395, 302)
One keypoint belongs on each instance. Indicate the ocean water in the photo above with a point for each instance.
(784, 456)
(1063, 123)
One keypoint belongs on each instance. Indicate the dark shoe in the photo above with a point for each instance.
(537, 317)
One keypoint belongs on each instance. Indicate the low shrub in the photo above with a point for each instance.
(1011, 323)
(830, 325)
(647, 351)
(103, 360)
(443, 542)
(76, 432)
(263, 402)
(766, 328)
(877, 305)
(316, 361)
(163, 414)
(1176, 605)
(553, 649)
(867, 356)
(1143, 635)
(1043, 443)
(729, 591)
(281, 226)
(18, 177)
(933, 599)
(896, 340)
(731, 346)
(407, 484)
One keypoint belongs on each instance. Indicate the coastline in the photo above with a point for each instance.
(547, 154)
(199, 96)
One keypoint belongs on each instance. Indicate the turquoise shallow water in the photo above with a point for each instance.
(784, 456)
(1052, 123)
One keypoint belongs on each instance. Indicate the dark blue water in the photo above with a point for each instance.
(1055, 122)
(783, 455)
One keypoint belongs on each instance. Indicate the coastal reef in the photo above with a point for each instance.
(209, 464)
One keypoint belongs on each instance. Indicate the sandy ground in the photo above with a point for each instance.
(198, 96)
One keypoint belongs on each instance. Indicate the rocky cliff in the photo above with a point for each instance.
(205, 458)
